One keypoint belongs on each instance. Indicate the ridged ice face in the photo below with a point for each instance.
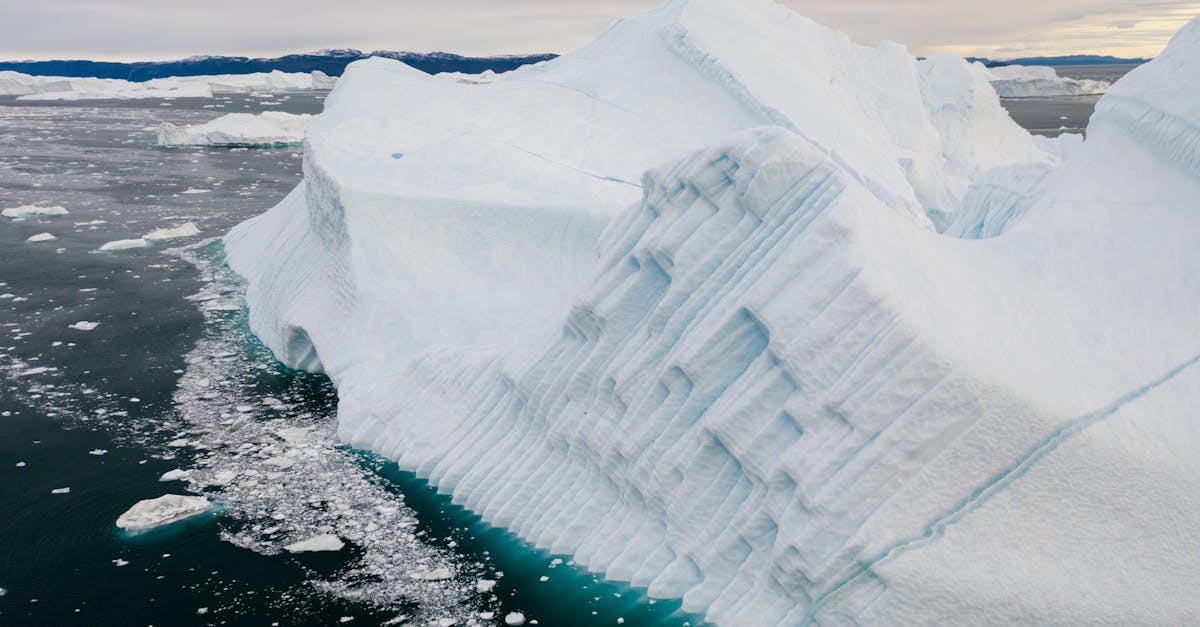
(776, 393)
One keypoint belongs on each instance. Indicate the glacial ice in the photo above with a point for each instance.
(267, 129)
(164, 510)
(124, 244)
(67, 88)
(775, 391)
(1034, 81)
(187, 229)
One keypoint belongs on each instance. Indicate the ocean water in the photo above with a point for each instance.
(170, 378)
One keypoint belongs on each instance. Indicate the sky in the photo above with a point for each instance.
(126, 30)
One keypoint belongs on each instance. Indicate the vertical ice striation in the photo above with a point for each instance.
(776, 392)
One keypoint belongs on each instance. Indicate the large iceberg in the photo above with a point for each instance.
(66, 88)
(777, 392)
(1036, 81)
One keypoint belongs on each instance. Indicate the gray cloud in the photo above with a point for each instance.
(157, 29)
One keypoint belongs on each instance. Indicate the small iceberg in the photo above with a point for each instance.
(175, 475)
(162, 511)
(327, 542)
(41, 237)
(187, 229)
(83, 325)
(125, 244)
(33, 211)
(239, 130)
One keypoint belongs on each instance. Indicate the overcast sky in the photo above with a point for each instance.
(165, 29)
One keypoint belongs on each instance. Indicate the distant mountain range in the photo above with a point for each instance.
(331, 62)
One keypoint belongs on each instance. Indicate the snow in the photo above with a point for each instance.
(33, 211)
(187, 229)
(164, 510)
(125, 244)
(65, 88)
(41, 237)
(775, 391)
(83, 325)
(327, 542)
(1033, 81)
(270, 128)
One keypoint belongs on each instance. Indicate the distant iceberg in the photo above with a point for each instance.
(1022, 81)
(66, 88)
(270, 128)
(852, 348)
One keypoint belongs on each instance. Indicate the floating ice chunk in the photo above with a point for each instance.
(98, 451)
(175, 475)
(196, 191)
(514, 618)
(327, 542)
(178, 443)
(3, 592)
(437, 574)
(41, 237)
(281, 462)
(120, 562)
(83, 325)
(61, 491)
(201, 611)
(125, 244)
(164, 510)
(484, 586)
(33, 211)
(187, 229)
(267, 129)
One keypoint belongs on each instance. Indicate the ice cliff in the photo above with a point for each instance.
(776, 390)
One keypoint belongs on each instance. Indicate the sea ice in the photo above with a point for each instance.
(41, 237)
(175, 475)
(514, 618)
(125, 244)
(33, 211)
(327, 542)
(164, 510)
(83, 325)
(187, 229)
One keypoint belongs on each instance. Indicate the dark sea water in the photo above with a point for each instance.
(171, 378)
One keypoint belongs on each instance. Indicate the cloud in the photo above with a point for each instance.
(156, 29)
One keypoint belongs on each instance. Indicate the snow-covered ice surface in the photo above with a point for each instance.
(778, 393)
(66, 88)
(266, 129)
(1035, 81)
(162, 511)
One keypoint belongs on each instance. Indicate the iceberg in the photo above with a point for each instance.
(162, 511)
(267, 129)
(33, 211)
(852, 348)
(124, 244)
(1035, 81)
(187, 229)
(41, 237)
(28, 87)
